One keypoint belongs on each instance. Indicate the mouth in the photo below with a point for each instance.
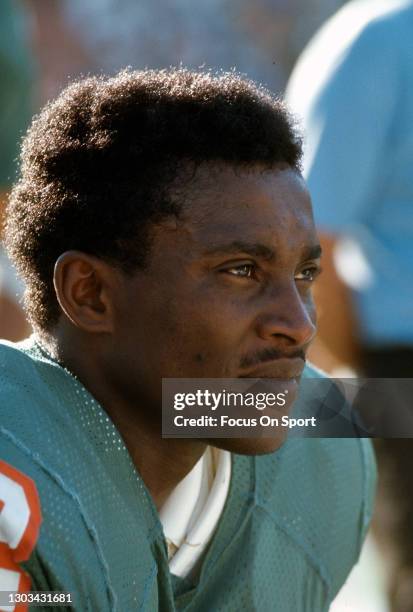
(283, 368)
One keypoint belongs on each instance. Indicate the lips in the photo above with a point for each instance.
(283, 368)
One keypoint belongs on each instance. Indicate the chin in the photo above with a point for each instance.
(250, 446)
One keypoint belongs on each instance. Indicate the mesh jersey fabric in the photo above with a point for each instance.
(291, 529)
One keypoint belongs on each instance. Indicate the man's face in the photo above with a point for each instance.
(227, 289)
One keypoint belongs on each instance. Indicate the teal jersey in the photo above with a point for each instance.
(291, 530)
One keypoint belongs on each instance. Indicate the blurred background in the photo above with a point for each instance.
(352, 88)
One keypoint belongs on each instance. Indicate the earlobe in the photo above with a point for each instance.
(83, 289)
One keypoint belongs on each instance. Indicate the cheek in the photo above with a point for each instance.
(204, 332)
(181, 329)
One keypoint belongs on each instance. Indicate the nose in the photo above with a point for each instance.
(287, 317)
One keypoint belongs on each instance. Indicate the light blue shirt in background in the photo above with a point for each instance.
(353, 90)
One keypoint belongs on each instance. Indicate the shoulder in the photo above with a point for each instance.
(32, 469)
(27, 399)
(349, 456)
(11, 356)
(20, 372)
(45, 535)
(332, 477)
(55, 434)
(320, 491)
(20, 391)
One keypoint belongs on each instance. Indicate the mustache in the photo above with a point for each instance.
(269, 354)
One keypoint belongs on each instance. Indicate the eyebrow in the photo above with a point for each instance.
(256, 249)
(238, 246)
(312, 252)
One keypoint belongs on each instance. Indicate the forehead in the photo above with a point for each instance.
(224, 203)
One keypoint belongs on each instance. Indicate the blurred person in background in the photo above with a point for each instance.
(353, 89)
(15, 112)
(261, 39)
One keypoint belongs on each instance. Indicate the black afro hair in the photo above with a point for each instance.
(96, 164)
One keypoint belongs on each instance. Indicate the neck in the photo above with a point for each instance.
(161, 463)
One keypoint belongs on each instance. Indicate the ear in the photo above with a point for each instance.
(85, 286)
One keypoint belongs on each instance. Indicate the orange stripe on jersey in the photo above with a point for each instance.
(20, 519)
(7, 563)
(29, 538)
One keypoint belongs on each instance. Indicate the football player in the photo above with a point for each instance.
(164, 230)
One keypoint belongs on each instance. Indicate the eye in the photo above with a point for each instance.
(242, 271)
(308, 274)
